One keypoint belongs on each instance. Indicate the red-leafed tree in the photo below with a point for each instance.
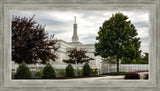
(77, 56)
(30, 43)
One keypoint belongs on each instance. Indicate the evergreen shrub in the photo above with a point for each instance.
(70, 71)
(49, 72)
(86, 70)
(23, 72)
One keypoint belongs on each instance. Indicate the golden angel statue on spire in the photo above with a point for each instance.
(75, 19)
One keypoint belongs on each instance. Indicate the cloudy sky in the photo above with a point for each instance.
(60, 23)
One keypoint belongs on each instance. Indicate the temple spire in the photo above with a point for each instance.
(75, 36)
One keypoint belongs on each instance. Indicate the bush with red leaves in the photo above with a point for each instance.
(132, 75)
(146, 76)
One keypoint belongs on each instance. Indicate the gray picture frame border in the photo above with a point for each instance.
(7, 6)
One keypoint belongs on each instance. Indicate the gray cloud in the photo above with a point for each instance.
(49, 22)
(61, 23)
(145, 39)
(141, 24)
(90, 37)
(55, 32)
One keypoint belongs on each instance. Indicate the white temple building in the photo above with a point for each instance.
(64, 46)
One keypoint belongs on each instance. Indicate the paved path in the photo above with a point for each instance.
(100, 78)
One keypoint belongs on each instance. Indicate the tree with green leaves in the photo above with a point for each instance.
(142, 60)
(109, 60)
(146, 57)
(117, 38)
(30, 42)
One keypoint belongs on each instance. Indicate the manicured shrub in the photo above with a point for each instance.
(80, 72)
(86, 70)
(62, 72)
(132, 75)
(70, 71)
(23, 72)
(94, 71)
(49, 72)
(39, 74)
(122, 73)
(141, 71)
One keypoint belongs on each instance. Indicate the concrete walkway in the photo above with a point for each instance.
(121, 77)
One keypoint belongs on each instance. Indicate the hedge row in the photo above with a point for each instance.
(116, 73)
(48, 72)
(23, 72)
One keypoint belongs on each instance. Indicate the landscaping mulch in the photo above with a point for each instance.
(75, 77)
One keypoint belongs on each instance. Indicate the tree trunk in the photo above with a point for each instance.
(117, 64)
